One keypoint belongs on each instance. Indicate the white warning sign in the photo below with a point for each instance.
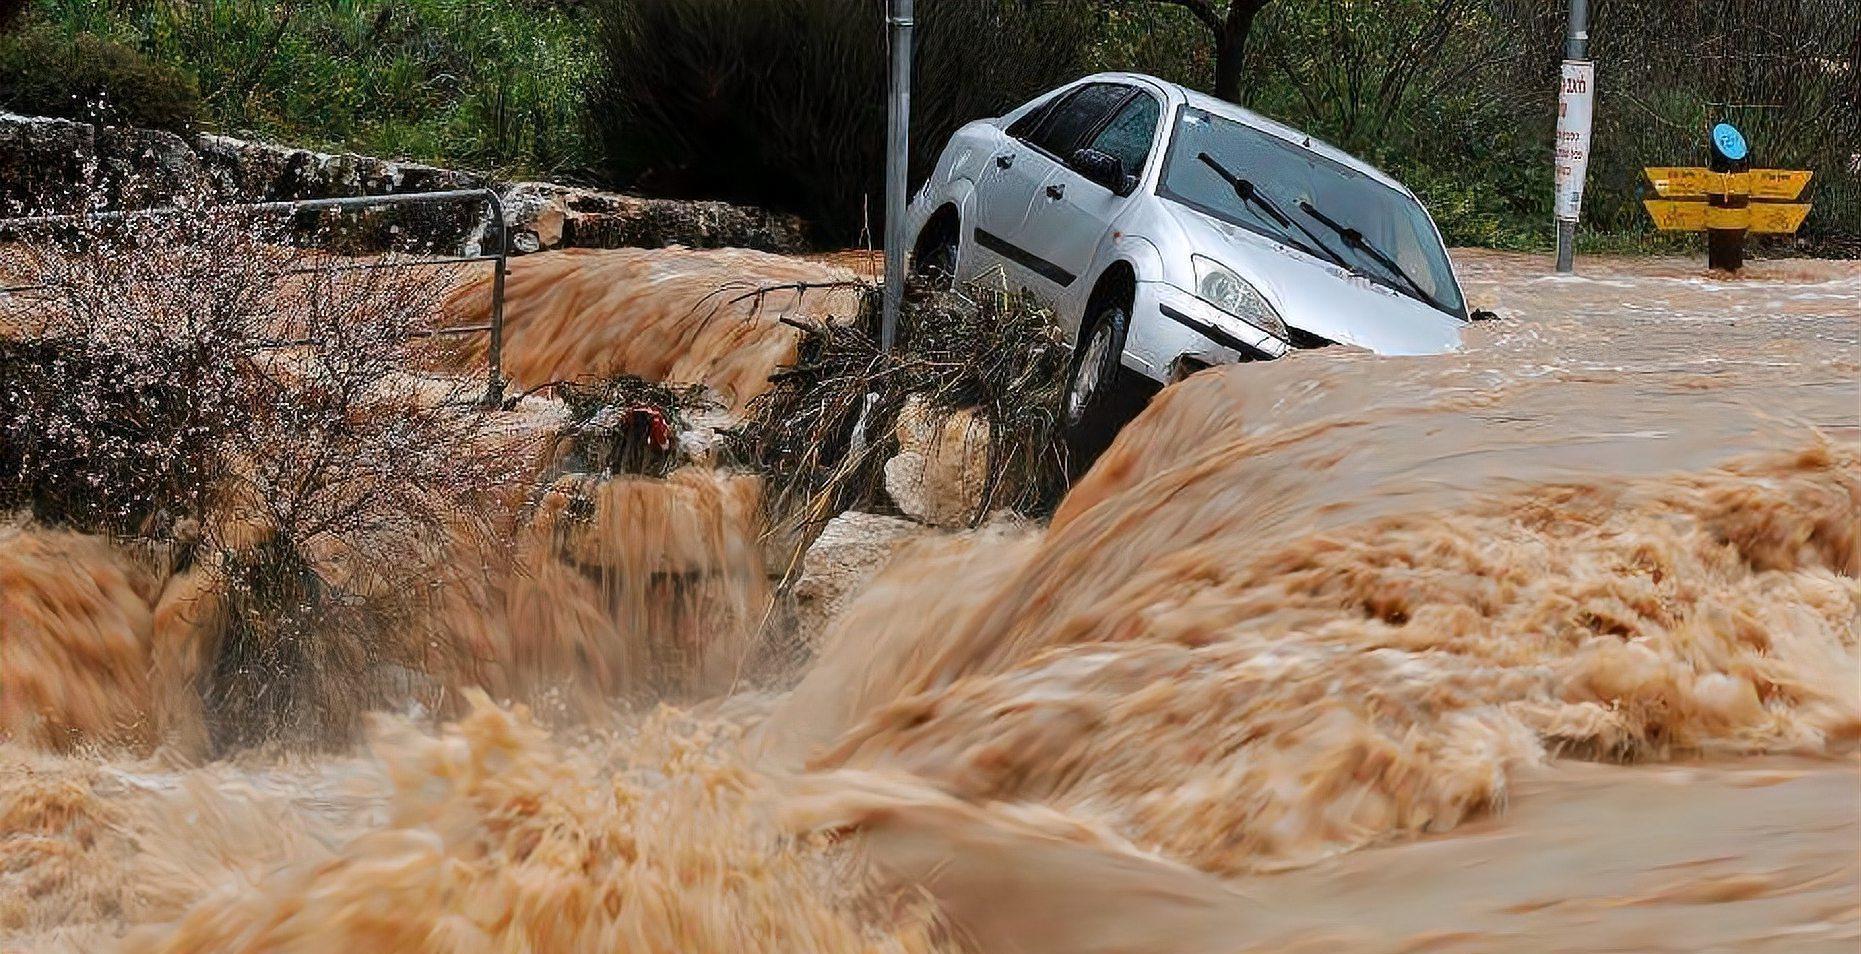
(1574, 100)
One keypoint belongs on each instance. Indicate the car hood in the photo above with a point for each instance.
(1320, 298)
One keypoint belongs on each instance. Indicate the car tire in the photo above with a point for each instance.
(935, 261)
(1102, 395)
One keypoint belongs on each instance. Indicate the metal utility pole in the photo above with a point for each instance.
(897, 153)
(1575, 97)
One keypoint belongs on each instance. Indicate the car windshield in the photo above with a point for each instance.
(1394, 243)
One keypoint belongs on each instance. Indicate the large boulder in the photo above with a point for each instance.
(941, 471)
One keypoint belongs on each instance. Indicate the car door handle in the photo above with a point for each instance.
(1056, 191)
(1005, 160)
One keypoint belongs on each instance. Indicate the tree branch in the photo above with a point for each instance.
(1202, 9)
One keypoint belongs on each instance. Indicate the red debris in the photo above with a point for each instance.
(653, 422)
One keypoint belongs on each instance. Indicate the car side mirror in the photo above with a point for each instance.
(1482, 314)
(1105, 169)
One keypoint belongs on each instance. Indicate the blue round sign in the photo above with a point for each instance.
(1729, 141)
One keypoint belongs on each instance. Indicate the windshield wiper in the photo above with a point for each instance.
(1248, 192)
(1355, 239)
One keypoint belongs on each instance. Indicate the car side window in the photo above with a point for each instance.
(1129, 135)
(1070, 119)
(1024, 127)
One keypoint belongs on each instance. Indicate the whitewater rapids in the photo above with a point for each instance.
(1550, 644)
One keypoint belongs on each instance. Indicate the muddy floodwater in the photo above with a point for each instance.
(1546, 645)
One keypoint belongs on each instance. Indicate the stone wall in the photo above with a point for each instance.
(56, 165)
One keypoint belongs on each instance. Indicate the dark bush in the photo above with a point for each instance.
(96, 440)
(246, 406)
(781, 103)
(46, 73)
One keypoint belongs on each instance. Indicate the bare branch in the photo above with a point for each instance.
(1202, 10)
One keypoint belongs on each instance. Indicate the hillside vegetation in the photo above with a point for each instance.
(493, 84)
(780, 102)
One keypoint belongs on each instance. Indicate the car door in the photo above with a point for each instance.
(1028, 154)
(1072, 213)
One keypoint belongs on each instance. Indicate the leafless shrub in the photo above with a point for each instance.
(191, 378)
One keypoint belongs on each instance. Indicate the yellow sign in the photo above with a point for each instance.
(1680, 182)
(1777, 218)
(1672, 216)
(1785, 184)
(1684, 181)
(1780, 218)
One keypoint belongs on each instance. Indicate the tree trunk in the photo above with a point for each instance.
(1228, 69)
(1231, 47)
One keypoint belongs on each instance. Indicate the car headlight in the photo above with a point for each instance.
(1217, 284)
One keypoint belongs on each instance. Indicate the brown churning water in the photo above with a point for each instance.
(678, 315)
(1380, 621)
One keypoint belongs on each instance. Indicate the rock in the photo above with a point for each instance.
(51, 165)
(40, 157)
(262, 172)
(535, 213)
(55, 165)
(242, 171)
(148, 164)
(543, 215)
(942, 467)
(849, 551)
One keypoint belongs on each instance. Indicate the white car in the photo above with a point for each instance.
(1171, 231)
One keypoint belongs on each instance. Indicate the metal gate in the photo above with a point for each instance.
(494, 380)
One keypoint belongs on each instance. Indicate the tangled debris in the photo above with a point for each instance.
(626, 424)
(822, 434)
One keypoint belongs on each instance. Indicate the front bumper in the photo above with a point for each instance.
(1169, 324)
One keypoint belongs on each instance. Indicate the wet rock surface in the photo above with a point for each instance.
(850, 550)
(940, 473)
(56, 165)
(544, 215)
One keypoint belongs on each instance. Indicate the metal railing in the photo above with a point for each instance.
(494, 382)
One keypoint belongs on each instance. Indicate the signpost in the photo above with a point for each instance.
(1576, 95)
(1727, 200)
(897, 140)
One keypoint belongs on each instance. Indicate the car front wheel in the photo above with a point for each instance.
(1101, 395)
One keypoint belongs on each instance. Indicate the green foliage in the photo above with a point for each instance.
(1449, 96)
(781, 102)
(1786, 72)
(93, 80)
(1163, 40)
(1457, 98)
(482, 83)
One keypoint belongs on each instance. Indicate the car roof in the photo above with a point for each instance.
(1179, 95)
